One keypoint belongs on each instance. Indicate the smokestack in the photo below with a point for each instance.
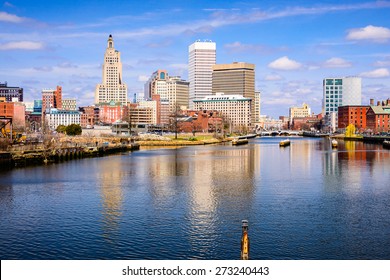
(372, 101)
(378, 103)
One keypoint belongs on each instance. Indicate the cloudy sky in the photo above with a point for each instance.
(294, 44)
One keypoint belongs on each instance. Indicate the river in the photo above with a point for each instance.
(304, 201)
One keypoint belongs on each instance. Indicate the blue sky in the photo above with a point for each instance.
(294, 44)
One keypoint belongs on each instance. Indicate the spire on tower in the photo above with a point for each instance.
(110, 42)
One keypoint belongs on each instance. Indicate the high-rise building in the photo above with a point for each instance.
(201, 58)
(340, 92)
(235, 78)
(151, 84)
(112, 87)
(171, 93)
(11, 93)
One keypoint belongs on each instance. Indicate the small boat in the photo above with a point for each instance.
(334, 143)
(386, 144)
(284, 143)
(239, 141)
(250, 136)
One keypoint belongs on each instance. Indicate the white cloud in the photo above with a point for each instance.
(284, 63)
(273, 77)
(143, 78)
(279, 101)
(336, 62)
(10, 18)
(378, 73)
(240, 47)
(383, 63)
(370, 33)
(21, 45)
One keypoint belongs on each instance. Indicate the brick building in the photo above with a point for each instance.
(378, 118)
(351, 114)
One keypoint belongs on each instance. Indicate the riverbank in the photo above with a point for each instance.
(63, 148)
(374, 139)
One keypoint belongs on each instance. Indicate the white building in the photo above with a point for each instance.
(112, 87)
(56, 117)
(340, 92)
(236, 108)
(201, 58)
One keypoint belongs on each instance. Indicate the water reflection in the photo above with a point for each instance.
(305, 201)
(110, 177)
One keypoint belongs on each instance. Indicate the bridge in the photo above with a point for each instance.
(280, 133)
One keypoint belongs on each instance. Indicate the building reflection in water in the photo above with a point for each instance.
(221, 179)
(110, 178)
(209, 180)
(351, 163)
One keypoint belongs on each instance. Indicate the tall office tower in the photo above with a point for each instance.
(340, 92)
(112, 87)
(201, 58)
(235, 78)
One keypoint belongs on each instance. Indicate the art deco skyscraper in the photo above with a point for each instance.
(112, 87)
(201, 58)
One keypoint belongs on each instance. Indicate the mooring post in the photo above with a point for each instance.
(244, 241)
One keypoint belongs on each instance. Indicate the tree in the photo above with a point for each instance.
(61, 128)
(73, 129)
(350, 130)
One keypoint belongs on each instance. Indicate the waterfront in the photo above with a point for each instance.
(304, 201)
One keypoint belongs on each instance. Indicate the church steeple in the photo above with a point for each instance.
(110, 42)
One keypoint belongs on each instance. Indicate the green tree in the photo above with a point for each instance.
(61, 128)
(73, 129)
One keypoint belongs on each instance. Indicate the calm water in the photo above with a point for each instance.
(305, 201)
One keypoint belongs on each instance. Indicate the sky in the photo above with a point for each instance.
(294, 44)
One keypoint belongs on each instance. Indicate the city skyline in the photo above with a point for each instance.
(294, 45)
